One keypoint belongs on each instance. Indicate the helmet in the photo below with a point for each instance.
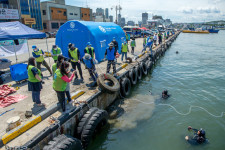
(70, 45)
(89, 43)
(111, 44)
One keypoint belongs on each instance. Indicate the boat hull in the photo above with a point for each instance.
(201, 32)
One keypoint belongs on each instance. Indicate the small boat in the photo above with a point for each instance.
(212, 30)
(197, 31)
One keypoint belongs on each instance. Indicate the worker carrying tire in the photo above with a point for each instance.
(74, 55)
(90, 65)
(38, 54)
(55, 52)
(90, 50)
(111, 56)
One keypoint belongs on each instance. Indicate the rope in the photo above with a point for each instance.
(185, 114)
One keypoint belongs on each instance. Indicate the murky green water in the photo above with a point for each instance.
(195, 76)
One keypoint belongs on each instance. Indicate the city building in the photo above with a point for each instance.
(106, 13)
(130, 23)
(99, 19)
(29, 12)
(99, 12)
(123, 22)
(56, 13)
(111, 18)
(144, 18)
(86, 14)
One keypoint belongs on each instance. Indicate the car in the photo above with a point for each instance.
(50, 34)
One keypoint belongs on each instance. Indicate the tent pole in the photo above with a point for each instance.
(28, 48)
(48, 52)
(15, 50)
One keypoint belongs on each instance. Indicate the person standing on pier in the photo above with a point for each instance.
(55, 52)
(38, 54)
(74, 55)
(34, 81)
(111, 55)
(60, 83)
(133, 45)
(90, 50)
(155, 39)
(115, 43)
(127, 37)
(160, 38)
(124, 50)
(144, 41)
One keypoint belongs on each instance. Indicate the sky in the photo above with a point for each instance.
(176, 10)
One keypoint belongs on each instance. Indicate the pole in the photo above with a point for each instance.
(28, 48)
(116, 14)
(15, 50)
(48, 51)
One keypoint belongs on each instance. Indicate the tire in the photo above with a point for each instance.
(84, 120)
(133, 76)
(115, 87)
(95, 123)
(129, 59)
(144, 68)
(125, 87)
(64, 142)
(139, 72)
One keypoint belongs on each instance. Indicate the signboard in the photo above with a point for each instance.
(8, 47)
(9, 13)
(29, 21)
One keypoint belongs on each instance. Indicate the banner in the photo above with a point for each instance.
(8, 48)
(9, 13)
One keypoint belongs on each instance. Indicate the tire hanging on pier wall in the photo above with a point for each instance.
(84, 120)
(64, 142)
(125, 87)
(97, 121)
(111, 87)
(139, 72)
(133, 76)
(144, 68)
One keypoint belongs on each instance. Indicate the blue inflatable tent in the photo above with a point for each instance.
(100, 34)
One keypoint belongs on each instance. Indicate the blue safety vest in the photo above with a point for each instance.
(88, 63)
(110, 54)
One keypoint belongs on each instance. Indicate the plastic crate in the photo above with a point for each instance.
(19, 72)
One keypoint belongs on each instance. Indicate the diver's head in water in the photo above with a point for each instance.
(165, 94)
(177, 52)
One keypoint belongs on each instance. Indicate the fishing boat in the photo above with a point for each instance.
(213, 30)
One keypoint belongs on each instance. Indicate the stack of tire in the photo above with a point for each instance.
(91, 123)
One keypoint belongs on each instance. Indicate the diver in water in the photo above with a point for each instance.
(177, 52)
(198, 138)
(165, 94)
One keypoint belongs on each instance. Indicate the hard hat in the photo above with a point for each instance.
(89, 43)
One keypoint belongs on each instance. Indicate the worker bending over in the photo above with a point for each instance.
(90, 65)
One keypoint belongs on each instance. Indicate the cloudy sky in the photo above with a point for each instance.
(176, 10)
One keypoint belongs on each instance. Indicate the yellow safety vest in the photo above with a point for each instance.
(74, 55)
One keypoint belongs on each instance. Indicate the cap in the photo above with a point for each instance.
(89, 43)
(70, 44)
(87, 56)
(111, 44)
(54, 46)
(34, 46)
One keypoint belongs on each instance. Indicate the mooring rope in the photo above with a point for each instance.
(184, 114)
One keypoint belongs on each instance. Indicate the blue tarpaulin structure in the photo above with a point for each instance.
(100, 34)
(16, 30)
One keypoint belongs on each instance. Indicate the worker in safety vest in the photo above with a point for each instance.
(38, 54)
(34, 81)
(127, 37)
(124, 50)
(55, 52)
(90, 50)
(74, 55)
(110, 53)
(60, 82)
(133, 45)
(56, 65)
(144, 41)
(90, 65)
